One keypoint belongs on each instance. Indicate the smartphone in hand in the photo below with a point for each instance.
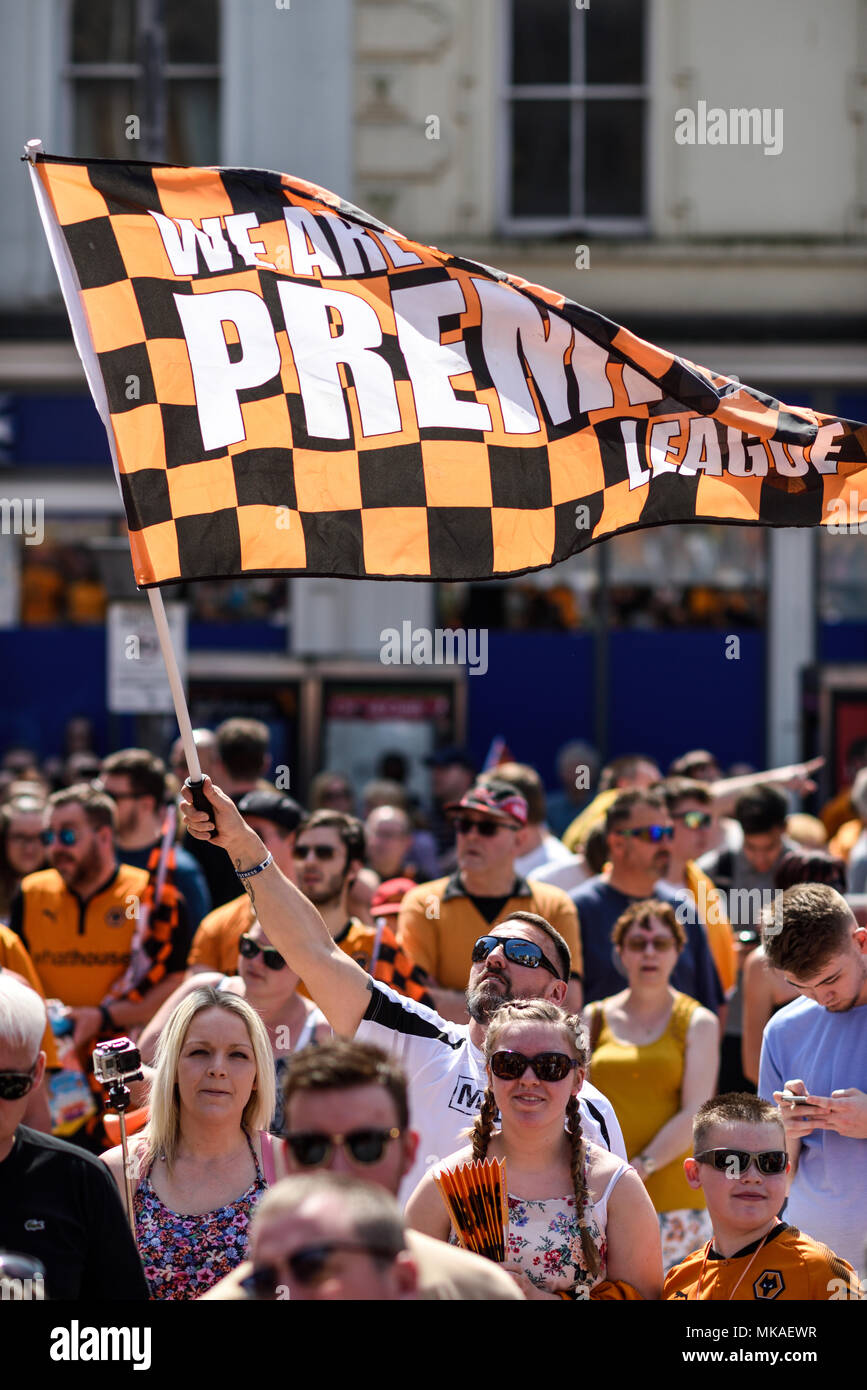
(799, 1100)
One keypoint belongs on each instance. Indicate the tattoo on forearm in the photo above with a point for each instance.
(247, 885)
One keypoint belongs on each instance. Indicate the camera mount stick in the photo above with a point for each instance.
(118, 1098)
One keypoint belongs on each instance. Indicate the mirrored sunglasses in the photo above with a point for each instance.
(519, 952)
(66, 836)
(650, 834)
(694, 820)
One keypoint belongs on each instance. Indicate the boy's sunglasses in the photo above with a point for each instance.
(322, 852)
(250, 949)
(519, 952)
(14, 1085)
(364, 1145)
(547, 1066)
(736, 1162)
(66, 836)
(694, 820)
(650, 834)
(306, 1266)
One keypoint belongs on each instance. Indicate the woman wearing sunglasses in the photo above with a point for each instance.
(198, 1166)
(655, 1053)
(264, 979)
(578, 1215)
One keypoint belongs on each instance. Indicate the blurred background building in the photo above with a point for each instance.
(537, 135)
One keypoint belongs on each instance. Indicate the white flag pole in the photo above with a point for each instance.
(71, 290)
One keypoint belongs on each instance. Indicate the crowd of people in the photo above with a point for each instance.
(645, 993)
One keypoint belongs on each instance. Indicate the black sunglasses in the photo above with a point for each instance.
(364, 1145)
(307, 1266)
(488, 828)
(515, 949)
(66, 836)
(250, 949)
(547, 1066)
(322, 852)
(14, 1085)
(736, 1162)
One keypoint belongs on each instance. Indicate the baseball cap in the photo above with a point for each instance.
(272, 806)
(389, 896)
(497, 799)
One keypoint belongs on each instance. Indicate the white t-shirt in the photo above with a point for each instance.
(446, 1076)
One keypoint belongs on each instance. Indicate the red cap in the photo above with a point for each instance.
(389, 896)
(496, 799)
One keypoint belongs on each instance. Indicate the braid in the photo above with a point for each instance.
(483, 1125)
(576, 1168)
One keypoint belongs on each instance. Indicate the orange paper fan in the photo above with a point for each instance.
(476, 1198)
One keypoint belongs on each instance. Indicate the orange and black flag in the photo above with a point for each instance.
(291, 387)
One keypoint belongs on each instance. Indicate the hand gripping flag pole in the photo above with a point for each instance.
(71, 291)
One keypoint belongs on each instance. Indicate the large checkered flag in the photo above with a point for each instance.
(291, 387)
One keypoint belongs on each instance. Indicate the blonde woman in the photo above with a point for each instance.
(198, 1163)
(578, 1215)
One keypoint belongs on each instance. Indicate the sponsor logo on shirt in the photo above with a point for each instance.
(115, 917)
(467, 1096)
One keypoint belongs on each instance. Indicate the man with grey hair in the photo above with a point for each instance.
(328, 1237)
(58, 1205)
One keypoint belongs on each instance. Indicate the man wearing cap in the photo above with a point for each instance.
(275, 817)
(439, 922)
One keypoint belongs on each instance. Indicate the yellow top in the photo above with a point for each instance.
(643, 1083)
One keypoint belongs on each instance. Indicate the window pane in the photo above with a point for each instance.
(843, 560)
(193, 31)
(540, 158)
(193, 130)
(540, 40)
(100, 109)
(614, 36)
(614, 157)
(103, 31)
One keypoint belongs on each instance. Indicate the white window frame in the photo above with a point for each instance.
(577, 94)
(172, 72)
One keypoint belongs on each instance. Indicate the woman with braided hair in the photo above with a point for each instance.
(578, 1215)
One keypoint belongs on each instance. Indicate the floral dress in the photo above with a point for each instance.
(185, 1255)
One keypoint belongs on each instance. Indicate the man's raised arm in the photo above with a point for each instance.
(337, 984)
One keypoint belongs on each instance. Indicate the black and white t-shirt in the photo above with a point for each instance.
(446, 1075)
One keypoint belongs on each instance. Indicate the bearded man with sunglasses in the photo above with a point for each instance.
(639, 831)
(741, 1164)
(522, 957)
(79, 921)
(58, 1205)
